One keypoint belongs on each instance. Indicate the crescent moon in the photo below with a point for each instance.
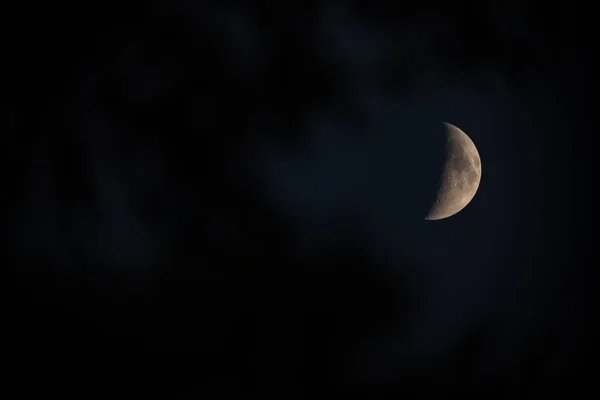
(461, 175)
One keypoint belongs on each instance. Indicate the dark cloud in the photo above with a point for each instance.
(231, 197)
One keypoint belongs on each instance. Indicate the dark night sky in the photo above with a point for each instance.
(229, 199)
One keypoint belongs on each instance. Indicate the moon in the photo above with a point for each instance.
(460, 177)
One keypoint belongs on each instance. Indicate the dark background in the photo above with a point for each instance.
(224, 200)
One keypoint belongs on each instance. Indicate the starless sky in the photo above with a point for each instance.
(478, 264)
(183, 169)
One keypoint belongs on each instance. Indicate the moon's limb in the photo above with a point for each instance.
(461, 175)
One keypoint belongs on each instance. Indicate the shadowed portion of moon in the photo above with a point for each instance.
(461, 176)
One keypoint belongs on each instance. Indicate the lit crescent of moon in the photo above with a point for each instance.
(461, 175)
